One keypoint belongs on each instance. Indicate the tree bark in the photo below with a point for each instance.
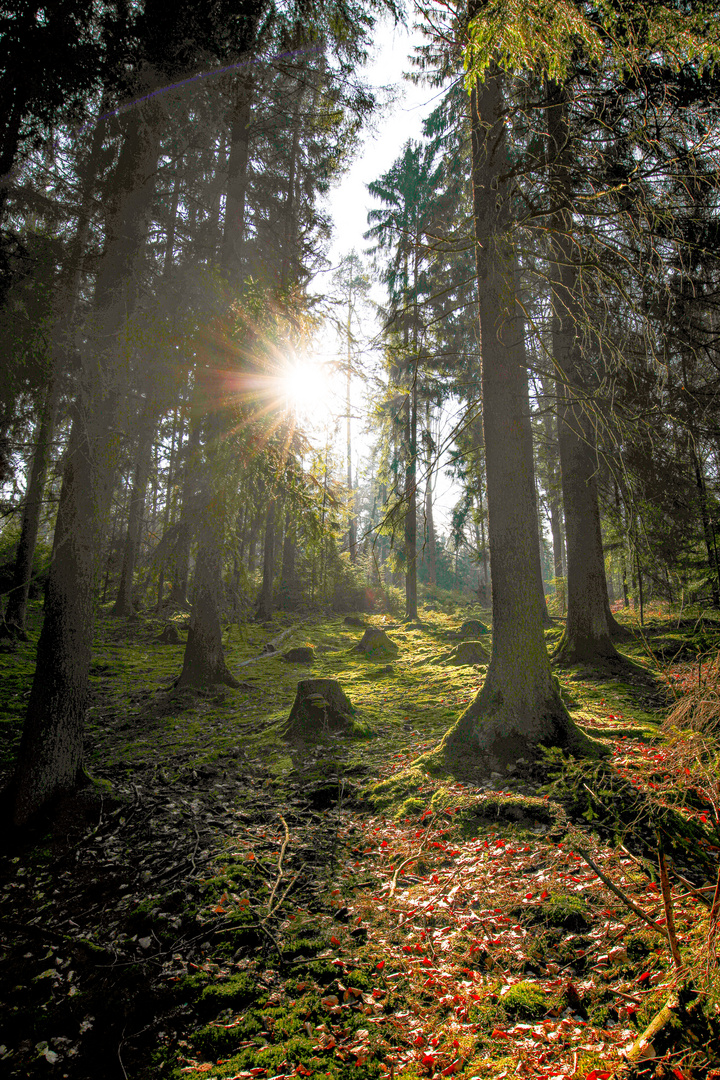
(204, 658)
(411, 608)
(65, 309)
(50, 757)
(16, 612)
(518, 707)
(265, 599)
(124, 602)
(586, 638)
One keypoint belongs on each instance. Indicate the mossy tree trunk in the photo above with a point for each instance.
(518, 706)
(51, 750)
(587, 637)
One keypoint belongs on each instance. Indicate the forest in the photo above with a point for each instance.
(359, 617)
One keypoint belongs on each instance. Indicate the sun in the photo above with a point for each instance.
(307, 387)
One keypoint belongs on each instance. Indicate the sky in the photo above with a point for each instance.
(350, 201)
(348, 204)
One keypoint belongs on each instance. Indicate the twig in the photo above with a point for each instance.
(197, 842)
(283, 846)
(280, 901)
(620, 893)
(715, 906)
(120, 1046)
(668, 905)
(393, 884)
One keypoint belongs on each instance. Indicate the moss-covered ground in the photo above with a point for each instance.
(226, 903)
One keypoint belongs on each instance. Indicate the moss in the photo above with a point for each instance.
(564, 910)
(230, 993)
(411, 807)
(526, 1001)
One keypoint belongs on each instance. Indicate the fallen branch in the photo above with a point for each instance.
(669, 917)
(621, 894)
(269, 649)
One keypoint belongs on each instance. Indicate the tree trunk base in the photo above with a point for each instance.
(575, 648)
(491, 735)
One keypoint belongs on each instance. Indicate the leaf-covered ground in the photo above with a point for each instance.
(237, 905)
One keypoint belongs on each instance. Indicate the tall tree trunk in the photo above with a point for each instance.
(411, 608)
(65, 309)
(518, 707)
(16, 613)
(190, 467)
(50, 757)
(265, 599)
(352, 520)
(710, 548)
(124, 603)
(204, 658)
(233, 243)
(288, 582)
(586, 637)
(430, 536)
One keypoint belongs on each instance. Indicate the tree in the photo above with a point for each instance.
(50, 757)
(518, 707)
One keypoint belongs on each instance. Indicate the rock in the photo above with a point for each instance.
(320, 706)
(375, 642)
(474, 629)
(170, 635)
(305, 654)
(467, 652)
(355, 620)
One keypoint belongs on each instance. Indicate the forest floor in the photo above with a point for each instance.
(236, 905)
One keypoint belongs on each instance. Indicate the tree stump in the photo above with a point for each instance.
(320, 706)
(305, 654)
(355, 620)
(473, 629)
(467, 652)
(170, 635)
(376, 643)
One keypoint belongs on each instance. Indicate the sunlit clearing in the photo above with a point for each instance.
(308, 388)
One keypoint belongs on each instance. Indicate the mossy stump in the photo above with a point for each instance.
(304, 654)
(170, 635)
(320, 706)
(355, 620)
(376, 643)
(467, 652)
(472, 630)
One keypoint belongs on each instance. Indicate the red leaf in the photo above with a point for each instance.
(335, 941)
(381, 965)
(428, 1060)
(498, 1033)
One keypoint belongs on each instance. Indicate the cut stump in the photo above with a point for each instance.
(320, 706)
(304, 654)
(375, 642)
(473, 629)
(467, 652)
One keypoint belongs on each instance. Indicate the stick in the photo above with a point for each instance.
(667, 904)
(620, 893)
(285, 843)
